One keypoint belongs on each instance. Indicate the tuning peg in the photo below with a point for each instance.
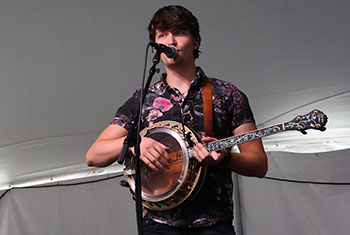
(321, 128)
(301, 129)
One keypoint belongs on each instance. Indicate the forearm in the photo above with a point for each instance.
(248, 164)
(104, 152)
(252, 159)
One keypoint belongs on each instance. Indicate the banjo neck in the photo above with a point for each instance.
(242, 138)
(245, 137)
(316, 119)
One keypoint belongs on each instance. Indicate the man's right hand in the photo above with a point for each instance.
(154, 154)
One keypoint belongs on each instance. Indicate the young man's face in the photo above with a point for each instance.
(184, 43)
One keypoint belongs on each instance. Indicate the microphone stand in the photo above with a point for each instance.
(133, 139)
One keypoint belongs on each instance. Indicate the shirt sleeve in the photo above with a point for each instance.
(127, 112)
(240, 109)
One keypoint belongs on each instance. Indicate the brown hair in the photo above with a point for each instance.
(175, 17)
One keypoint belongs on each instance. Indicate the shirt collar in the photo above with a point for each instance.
(200, 75)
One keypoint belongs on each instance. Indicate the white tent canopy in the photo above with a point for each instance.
(335, 138)
(65, 66)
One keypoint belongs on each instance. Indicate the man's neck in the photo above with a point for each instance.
(181, 78)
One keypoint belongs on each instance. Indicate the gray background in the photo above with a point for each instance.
(65, 67)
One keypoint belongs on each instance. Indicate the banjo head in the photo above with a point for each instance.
(165, 189)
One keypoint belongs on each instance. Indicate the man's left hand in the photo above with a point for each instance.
(207, 158)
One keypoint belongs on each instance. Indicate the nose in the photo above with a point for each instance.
(171, 40)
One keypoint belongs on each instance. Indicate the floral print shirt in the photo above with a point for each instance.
(213, 204)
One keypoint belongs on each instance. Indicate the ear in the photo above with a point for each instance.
(197, 42)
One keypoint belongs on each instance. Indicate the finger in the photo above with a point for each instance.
(197, 157)
(160, 163)
(149, 163)
(203, 149)
(155, 152)
(208, 139)
(160, 156)
(163, 146)
(201, 152)
(159, 145)
(162, 152)
(195, 154)
(215, 155)
(149, 143)
(153, 156)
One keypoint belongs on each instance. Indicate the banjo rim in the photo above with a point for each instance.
(192, 173)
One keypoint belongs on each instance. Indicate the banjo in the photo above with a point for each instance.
(166, 189)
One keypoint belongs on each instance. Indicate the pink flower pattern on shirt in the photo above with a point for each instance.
(162, 104)
(153, 115)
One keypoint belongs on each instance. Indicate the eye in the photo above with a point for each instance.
(161, 35)
(180, 32)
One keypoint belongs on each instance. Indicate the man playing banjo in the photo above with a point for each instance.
(178, 96)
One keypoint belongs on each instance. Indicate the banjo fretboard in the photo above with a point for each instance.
(313, 120)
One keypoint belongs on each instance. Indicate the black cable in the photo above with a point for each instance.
(113, 177)
(306, 182)
(8, 190)
(61, 185)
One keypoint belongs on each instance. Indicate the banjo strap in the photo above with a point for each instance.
(208, 106)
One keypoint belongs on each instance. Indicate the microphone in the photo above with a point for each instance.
(169, 51)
